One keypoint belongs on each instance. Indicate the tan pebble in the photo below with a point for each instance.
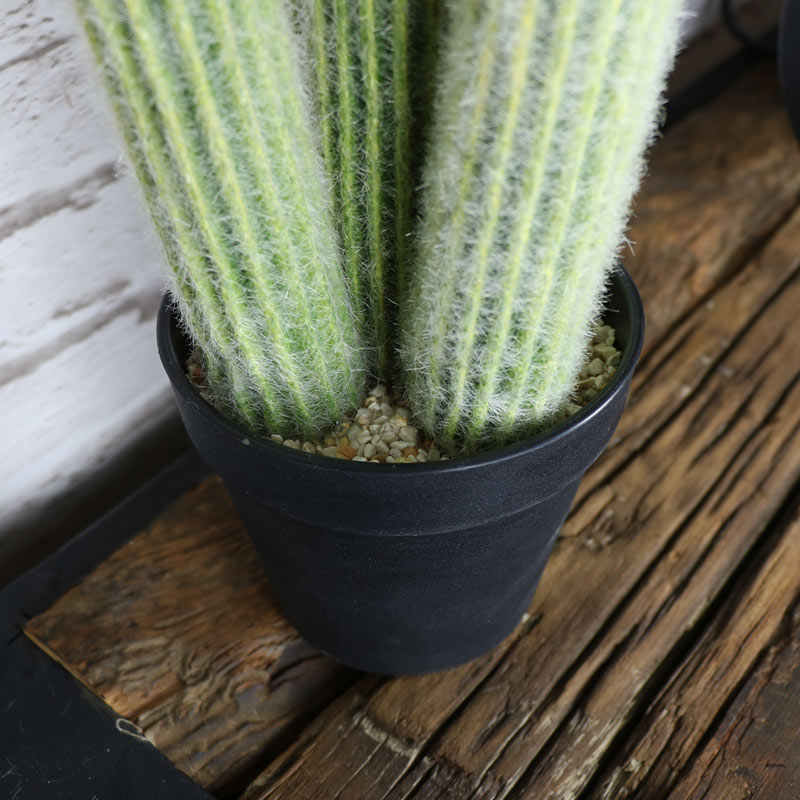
(422, 457)
(353, 433)
(276, 437)
(389, 436)
(433, 454)
(341, 457)
(410, 451)
(330, 451)
(309, 447)
(381, 446)
(330, 441)
(595, 367)
(611, 371)
(614, 360)
(379, 391)
(375, 461)
(601, 334)
(427, 444)
(402, 412)
(369, 450)
(572, 408)
(363, 418)
(408, 433)
(347, 451)
(603, 351)
(589, 394)
(374, 407)
(369, 401)
(293, 443)
(381, 457)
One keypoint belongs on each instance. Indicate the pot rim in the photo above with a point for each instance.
(180, 381)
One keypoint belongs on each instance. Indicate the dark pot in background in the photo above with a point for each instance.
(407, 568)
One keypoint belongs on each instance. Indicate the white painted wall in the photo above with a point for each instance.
(79, 276)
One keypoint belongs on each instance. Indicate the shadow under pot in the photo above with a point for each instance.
(407, 568)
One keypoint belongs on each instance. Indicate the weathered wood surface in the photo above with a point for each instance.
(676, 572)
(179, 632)
(80, 279)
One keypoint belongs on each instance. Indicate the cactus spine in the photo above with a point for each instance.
(214, 109)
(542, 113)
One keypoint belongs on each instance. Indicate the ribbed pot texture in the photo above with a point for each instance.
(407, 568)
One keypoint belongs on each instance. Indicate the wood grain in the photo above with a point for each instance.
(718, 183)
(753, 636)
(755, 751)
(179, 632)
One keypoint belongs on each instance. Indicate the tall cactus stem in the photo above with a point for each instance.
(247, 231)
(524, 205)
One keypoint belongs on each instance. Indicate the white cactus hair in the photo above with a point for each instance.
(277, 143)
(542, 115)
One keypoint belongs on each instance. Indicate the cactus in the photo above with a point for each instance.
(542, 113)
(215, 110)
(359, 63)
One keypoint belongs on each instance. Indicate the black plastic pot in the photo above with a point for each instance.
(407, 568)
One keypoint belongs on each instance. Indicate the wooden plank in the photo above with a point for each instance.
(718, 183)
(640, 564)
(179, 632)
(757, 616)
(755, 752)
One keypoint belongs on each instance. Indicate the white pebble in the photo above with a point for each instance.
(276, 437)
(330, 451)
(369, 450)
(408, 433)
(358, 458)
(595, 367)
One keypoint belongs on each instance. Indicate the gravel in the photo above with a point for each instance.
(380, 431)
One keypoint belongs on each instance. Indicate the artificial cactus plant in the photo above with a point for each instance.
(277, 143)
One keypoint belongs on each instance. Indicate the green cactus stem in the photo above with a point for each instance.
(214, 109)
(541, 117)
(359, 54)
